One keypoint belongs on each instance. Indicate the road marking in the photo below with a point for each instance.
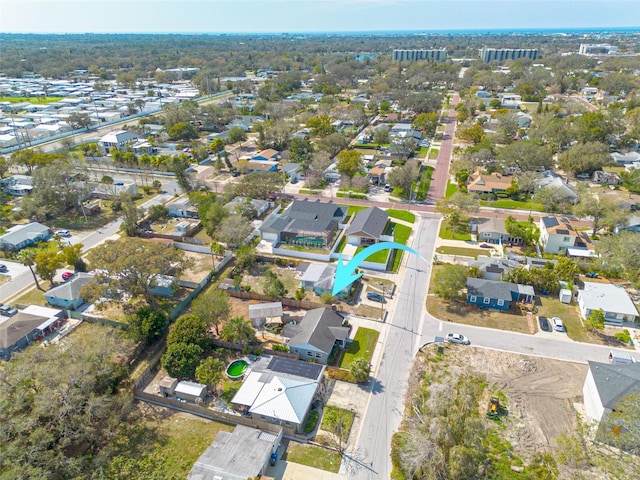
(440, 327)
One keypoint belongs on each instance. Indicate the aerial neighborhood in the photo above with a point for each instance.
(264, 258)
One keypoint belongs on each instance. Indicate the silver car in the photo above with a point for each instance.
(457, 338)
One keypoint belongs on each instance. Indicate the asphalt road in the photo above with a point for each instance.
(438, 186)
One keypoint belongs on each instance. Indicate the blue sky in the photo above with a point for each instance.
(245, 16)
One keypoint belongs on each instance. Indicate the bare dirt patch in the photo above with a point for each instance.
(540, 393)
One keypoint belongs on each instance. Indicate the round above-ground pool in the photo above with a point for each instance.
(237, 368)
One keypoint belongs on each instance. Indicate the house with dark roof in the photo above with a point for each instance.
(293, 171)
(317, 333)
(496, 295)
(21, 236)
(557, 234)
(319, 277)
(367, 227)
(305, 223)
(606, 384)
(550, 179)
(492, 268)
(25, 327)
(67, 295)
(280, 390)
(243, 453)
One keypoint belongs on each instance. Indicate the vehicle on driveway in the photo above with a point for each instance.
(557, 324)
(457, 338)
(376, 297)
(67, 275)
(544, 324)
(8, 310)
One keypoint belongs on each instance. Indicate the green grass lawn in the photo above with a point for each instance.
(451, 189)
(513, 205)
(401, 235)
(363, 345)
(353, 209)
(34, 100)
(433, 154)
(34, 296)
(460, 233)
(402, 215)
(380, 256)
(461, 251)
(551, 306)
(313, 456)
(335, 419)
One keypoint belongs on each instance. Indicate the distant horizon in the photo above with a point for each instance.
(260, 17)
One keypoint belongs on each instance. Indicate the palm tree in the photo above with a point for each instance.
(238, 330)
(217, 249)
(27, 257)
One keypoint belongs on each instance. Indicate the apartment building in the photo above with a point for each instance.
(499, 54)
(439, 55)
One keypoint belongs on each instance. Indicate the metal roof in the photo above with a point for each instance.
(614, 382)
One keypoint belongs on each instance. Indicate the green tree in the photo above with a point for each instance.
(426, 123)
(528, 230)
(217, 145)
(178, 165)
(457, 206)
(600, 209)
(190, 328)
(450, 282)
(4, 166)
(403, 177)
(183, 131)
(321, 126)
(131, 215)
(47, 263)
(238, 330)
(474, 134)
(213, 307)
(349, 163)
(235, 135)
(79, 120)
(147, 325)
(181, 359)
(273, 286)
(157, 211)
(595, 320)
(527, 155)
(300, 151)
(585, 158)
(360, 370)
(327, 298)
(210, 372)
(233, 230)
(381, 136)
(217, 250)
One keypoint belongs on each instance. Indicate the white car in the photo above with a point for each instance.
(457, 338)
(557, 324)
(62, 233)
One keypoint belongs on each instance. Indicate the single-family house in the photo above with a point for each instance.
(21, 236)
(25, 327)
(605, 386)
(305, 223)
(182, 208)
(367, 227)
(405, 130)
(377, 175)
(107, 191)
(242, 204)
(492, 230)
(118, 140)
(319, 331)
(606, 178)
(625, 158)
(17, 185)
(550, 179)
(67, 295)
(494, 183)
(260, 166)
(613, 300)
(268, 154)
(245, 122)
(293, 171)
(262, 314)
(319, 277)
(331, 173)
(633, 225)
(496, 295)
(280, 390)
(243, 453)
(557, 234)
(492, 268)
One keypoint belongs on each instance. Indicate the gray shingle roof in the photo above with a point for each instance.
(306, 216)
(321, 328)
(71, 289)
(496, 289)
(370, 221)
(615, 381)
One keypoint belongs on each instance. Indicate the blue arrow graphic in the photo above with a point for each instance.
(344, 277)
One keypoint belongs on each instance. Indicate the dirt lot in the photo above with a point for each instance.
(540, 393)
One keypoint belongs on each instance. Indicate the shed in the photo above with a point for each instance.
(190, 391)
(265, 313)
(565, 295)
(168, 386)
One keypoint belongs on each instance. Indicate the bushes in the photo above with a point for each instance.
(624, 336)
(312, 421)
(279, 348)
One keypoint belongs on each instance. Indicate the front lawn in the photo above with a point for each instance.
(461, 232)
(513, 205)
(337, 421)
(461, 251)
(313, 456)
(451, 189)
(362, 346)
(401, 235)
(381, 256)
(551, 306)
(353, 209)
(402, 215)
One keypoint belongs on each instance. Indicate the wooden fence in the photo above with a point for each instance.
(288, 302)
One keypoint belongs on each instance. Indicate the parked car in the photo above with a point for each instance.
(3, 268)
(66, 275)
(62, 233)
(457, 338)
(557, 324)
(388, 188)
(544, 324)
(376, 297)
(8, 311)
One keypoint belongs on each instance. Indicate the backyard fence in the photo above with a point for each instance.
(287, 302)
(255, 349)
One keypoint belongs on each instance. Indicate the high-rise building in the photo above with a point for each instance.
(597, 49)
(439, 55)
(499, 54)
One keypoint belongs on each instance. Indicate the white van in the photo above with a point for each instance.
(620, 358)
